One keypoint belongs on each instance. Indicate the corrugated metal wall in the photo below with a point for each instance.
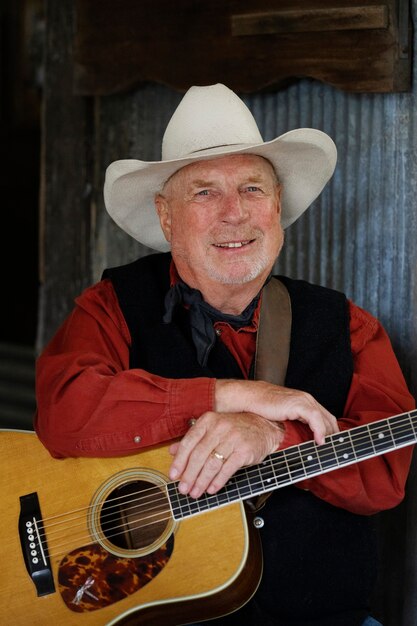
(358, 237)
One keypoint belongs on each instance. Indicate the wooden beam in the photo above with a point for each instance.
(311, 20)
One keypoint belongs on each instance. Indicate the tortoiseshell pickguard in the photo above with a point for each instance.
(112, 578)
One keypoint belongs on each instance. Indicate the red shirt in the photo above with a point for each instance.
(91, 404)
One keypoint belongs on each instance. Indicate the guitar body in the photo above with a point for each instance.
(173, 573)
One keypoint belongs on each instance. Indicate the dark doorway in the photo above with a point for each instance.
(21, 68)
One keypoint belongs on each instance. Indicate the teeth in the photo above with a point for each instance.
(237, 244)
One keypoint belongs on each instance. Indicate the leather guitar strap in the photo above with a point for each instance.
(274, 334)
(273, 342)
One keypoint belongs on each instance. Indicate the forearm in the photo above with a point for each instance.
(366, 487)
(274, 403)
(378, 390)
(94, 411)
(91, 404)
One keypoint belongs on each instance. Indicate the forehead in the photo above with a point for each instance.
(246, 164)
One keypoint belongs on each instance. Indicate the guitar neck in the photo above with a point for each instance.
(302, 461)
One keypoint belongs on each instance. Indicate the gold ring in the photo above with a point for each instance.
(218, 455)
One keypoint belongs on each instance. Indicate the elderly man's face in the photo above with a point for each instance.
(222, 218)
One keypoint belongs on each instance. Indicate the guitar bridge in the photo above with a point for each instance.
(33, 544)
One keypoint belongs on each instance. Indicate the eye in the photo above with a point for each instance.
(203, 192)
(253, 189)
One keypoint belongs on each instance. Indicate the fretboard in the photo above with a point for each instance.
(299, 462)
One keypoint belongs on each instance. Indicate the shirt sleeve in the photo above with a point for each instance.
(378, 391)
(90, 404)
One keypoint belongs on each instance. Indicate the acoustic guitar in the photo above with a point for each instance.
(112, 541)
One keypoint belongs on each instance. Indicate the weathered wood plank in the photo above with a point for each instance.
(66, 179)
(310, 20)
(119, 45)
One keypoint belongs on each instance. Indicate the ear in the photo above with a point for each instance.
(278, 197)
(164, 214)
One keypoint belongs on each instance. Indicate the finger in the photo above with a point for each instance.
(320, 422)
(228, 469)
(209, 471)
(204, 462)
(182, 451)
(173, 448)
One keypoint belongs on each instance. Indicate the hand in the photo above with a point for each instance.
(275, 403)
(241, 438)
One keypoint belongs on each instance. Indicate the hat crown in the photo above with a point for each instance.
(206, 118)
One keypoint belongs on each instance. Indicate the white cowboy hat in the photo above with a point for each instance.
(213, 121)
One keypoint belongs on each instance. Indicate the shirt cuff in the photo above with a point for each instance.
(189, 399)
(295, 433)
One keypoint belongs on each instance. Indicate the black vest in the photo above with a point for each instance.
(320, 560)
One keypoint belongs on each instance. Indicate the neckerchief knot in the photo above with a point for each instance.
(202, 317)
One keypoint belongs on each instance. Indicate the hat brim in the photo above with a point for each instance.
(304, 160)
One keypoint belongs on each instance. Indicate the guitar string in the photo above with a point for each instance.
(307, 447)
(311, 446)
(131, 528)
(253, 470)
(163, 498)
(294, 450)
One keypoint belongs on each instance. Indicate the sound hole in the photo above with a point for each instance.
(135, 515)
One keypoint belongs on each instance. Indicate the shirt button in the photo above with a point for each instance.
(137, 439)
(218, 331)
(191, 422)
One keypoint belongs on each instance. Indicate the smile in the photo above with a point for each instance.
(233, 244)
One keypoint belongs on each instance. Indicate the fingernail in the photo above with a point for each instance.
(173, 473)
(183, 488)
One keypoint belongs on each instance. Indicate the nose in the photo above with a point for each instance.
(233, 208)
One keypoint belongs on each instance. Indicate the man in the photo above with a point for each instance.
(163, 349)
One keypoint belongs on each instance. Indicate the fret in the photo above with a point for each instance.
(213, 501)
(327, 455)
(269, 477)
(243, 484)
(303, 465)
(361, 439)
(368, 428)
(240, 486)
(173, 496)
(281, 468)
(182, 505)
(310, 457)
(230, 489)
(256, 473)
(203, 503)
(344, 449)
(225, 495)
(189, 506)
(331, 440)
(295, 463)
(413, 418)
(403, 430)
(391, 433)
(382, 437)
